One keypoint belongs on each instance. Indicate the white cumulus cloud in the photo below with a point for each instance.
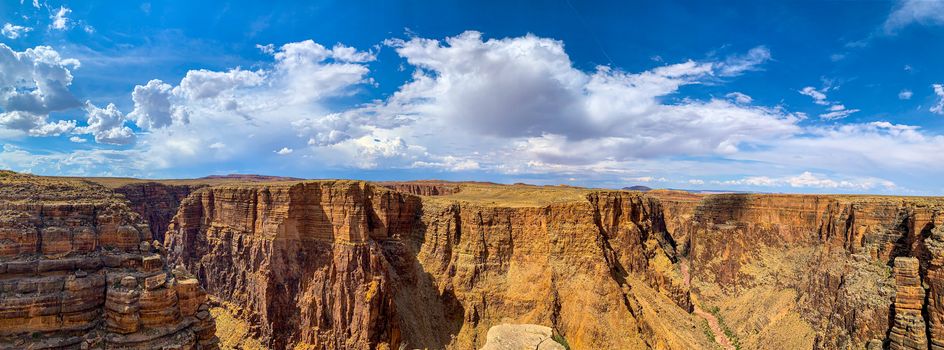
(12, 31)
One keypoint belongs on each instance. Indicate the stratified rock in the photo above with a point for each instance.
(520, 337)
(909, 330)
(156, 202)
(70, 262)
(344, 264)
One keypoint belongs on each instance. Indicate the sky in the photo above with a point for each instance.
(794, 96)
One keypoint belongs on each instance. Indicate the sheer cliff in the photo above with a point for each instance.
(342, 264)
(357, 265)
(79, 270)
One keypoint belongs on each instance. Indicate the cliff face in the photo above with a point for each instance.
(157, 203)
(777, 266)
(78, 269)
(343, 264)
(352, 265)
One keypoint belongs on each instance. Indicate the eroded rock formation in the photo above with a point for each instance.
(355, 265)
(79, 269)
(157, 203)
(342, 264)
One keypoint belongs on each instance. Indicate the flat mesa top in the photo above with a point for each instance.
(21, 187)
(515, 195)
(15, 187)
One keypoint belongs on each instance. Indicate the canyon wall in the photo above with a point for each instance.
(343, 264)
(812, 271)
(79, 270)
(156, 202)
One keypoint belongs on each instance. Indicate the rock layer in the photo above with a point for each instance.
(78, 269)
(342, 264)
(157, 203)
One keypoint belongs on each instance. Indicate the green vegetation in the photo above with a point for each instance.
(560, 340)
(707, 329)
(724, 328)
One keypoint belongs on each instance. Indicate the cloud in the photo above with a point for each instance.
(837, 111)
(251, 112)
(859, 148)
(34, 83)
(77, 139)
(516, 107)
(153, 108)
(811, 180)
(739, 98)
(939, 105)
(528, 87)
(52, 128)
(204, 84)
(907, 12)
(33, 124)
(76, 162)
(107, 125)
(819, 97)
(905, 94)
(519, 105)
(60, 21)
(12, 31)
(752, 60)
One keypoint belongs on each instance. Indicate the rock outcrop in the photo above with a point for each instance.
(79, 269)
(521, 336)
(819, 268)
(423, 188)
(343, 264)
(909, 330)
(356, 265)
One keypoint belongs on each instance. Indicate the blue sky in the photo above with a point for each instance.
(798, 96)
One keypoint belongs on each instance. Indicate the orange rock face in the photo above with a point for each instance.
(346, 264)
(78, 270)
(355, 265)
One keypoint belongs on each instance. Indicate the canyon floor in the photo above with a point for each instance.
(254, 262)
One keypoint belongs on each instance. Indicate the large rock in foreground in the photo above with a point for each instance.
(521, 337)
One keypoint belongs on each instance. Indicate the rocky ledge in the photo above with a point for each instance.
(80, 270)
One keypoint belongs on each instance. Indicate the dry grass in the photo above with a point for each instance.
(15, 187)
(233, 332)
(516, 195)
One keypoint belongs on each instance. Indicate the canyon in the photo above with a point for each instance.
(342, 264)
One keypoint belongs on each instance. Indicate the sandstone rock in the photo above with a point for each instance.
(68, 254)
(156, 281)
(151, 263)
(520, 337)
(909, 330)
(129, 282)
